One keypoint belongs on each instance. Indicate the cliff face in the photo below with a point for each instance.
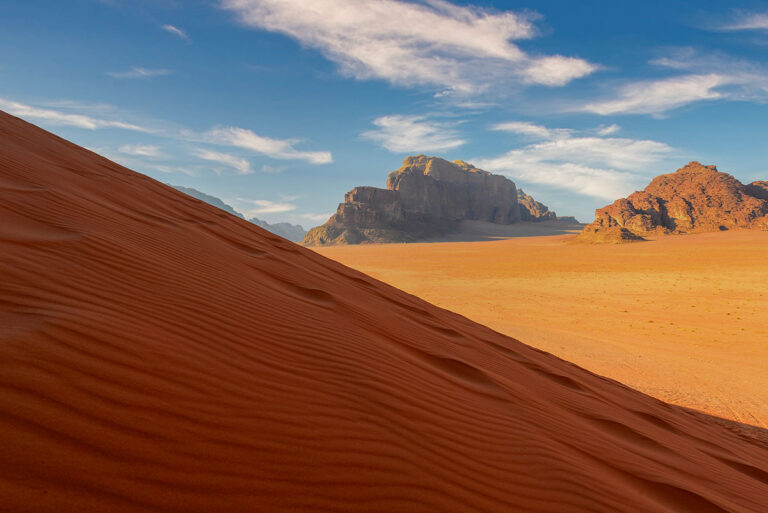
(532, 210)
(454, 191)
(426, 197)
(368, 214)
(696, 198)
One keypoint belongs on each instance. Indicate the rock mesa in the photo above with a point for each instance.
(426, 197)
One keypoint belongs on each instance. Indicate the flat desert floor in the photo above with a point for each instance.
(682, 318)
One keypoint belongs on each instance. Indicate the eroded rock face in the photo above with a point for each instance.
(454, 191)
(758, 189)
(695, 198)
(426, 197)
(532, 210)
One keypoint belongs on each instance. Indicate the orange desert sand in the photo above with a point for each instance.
(682, 318)
(160, 355)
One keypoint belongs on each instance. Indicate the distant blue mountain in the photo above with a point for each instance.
(292, 232)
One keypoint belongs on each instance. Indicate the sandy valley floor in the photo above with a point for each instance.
(683, 318)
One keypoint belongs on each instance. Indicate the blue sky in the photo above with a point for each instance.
(281, 106)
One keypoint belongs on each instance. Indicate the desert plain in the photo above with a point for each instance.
(681, 318)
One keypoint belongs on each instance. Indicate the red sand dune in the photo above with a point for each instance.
(157, 354)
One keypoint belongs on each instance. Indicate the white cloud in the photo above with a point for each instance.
(140, 150)
(602, 167)
(656, 96)
(608, 130)
(164, 168)
(242, 166)
(66, 115)
(252, 208)
(747, 21)
(433, 43)
(707, 77)
(530, 129)
(742, 79)
(556, 70)
(266, 168)
(404, 134)
(275, 148)
(57, 117)
(137, 163)
(94, 108)
(138, 72)
(318, 218)
(619, 153)
(176, 31)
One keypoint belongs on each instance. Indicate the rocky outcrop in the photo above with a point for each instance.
(427, 197)
(696, 198)
(532, 210)
(368, 214)
(758, 190)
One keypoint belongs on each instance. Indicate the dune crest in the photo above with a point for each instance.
(159, 354)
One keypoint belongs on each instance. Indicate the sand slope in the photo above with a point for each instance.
(157, 354)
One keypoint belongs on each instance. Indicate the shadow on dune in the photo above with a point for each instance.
(748, 432)
(480, 231)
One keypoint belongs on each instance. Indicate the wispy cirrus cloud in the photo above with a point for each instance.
(463, 49)
(608, 130)
(706, 77)
(72, 114)
(266, 168)
(137, 72)
(582, 162)
(254, 207)
(657, 96)
(745, 20)
(275, 148)
(404, 134)
(165, 168)
(241, 165)
(140, 150)
(62, 117)
(144, 163)
(176, 31)
(531, 130)
(315, 218)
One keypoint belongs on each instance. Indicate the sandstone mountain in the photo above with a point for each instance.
(426, 197)
(695, 198)
(292, 232)
(532, 210)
